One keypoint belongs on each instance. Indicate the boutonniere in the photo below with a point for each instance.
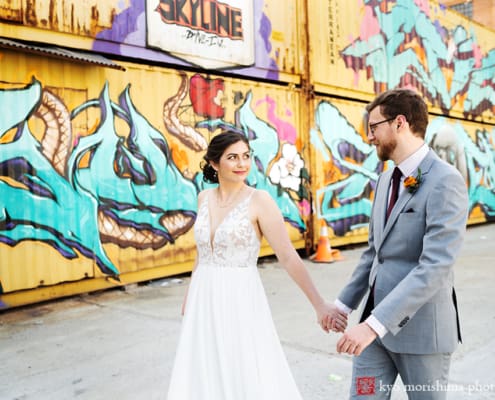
(412, 183)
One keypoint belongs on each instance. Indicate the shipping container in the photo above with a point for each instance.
(344, 167)
(109, 106)
(247, 38)
(101, 167)
(361, 48)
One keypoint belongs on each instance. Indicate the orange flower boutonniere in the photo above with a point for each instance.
(412, 183)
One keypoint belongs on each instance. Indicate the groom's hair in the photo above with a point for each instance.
(403, 102)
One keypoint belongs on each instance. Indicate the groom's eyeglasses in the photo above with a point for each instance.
(372, 127)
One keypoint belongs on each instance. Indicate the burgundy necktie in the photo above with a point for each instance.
(396, 175)
(370, 303)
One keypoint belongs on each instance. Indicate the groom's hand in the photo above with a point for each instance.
(356, 339)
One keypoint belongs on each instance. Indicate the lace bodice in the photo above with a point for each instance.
(234, 242)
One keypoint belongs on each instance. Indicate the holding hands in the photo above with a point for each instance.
(356, 339)
(330, 318)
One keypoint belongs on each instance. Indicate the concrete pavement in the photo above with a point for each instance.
(120, 344)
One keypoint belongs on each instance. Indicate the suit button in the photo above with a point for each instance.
(403, 322)
(380, 260)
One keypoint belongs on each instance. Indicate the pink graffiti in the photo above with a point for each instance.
(423, 5)
(285, 130)
(477, 55)
(370, 25)
(304, 208)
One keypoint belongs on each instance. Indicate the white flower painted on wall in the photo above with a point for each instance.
(287, 170)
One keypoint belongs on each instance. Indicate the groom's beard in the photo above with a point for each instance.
(386, 149)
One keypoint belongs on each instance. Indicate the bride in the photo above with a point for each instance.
(228, 347)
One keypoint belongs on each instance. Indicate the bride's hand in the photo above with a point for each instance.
(331, 318)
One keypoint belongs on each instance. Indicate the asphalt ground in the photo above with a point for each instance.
(120, 344)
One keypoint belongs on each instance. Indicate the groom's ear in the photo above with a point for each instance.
(401, 119)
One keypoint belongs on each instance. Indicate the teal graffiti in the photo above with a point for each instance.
(134, 181)
(479, 161)
(36, 202)
(409, 49)
(128, 192)
(345, 204)
(264, 142)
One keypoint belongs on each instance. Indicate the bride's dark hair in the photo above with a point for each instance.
(215, 150)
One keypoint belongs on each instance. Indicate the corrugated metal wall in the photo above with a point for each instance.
(361, 49)
(125, 28)
(100, 167)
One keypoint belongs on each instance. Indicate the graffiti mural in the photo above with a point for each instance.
(344, 200)
(130, 189)
(29, 181)
(101, 189)
(130, 36)
(402, 45)
(407, 44)
(475, 159)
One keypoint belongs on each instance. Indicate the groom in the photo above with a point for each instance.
(410, 324)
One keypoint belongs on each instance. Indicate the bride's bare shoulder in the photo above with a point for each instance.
(203, 194)
(261, 198)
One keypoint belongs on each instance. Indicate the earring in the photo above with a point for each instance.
(215, 174)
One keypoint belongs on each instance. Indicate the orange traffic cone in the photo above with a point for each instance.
(324, 252)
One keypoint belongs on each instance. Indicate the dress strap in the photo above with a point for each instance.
(247, 199)
(251, 194)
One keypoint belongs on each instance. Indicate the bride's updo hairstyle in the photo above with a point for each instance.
(215, 150)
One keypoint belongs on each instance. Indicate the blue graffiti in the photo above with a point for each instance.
(345, 205)
(265, 144)
(134, 182)
(36, 202)
(121, 190)
(479, 161)
(412, 50)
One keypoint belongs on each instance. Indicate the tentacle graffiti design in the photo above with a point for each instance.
(37, 202)
(132, 187)
(185, 133)
(103, 188)
(56, 142)
(113, 231)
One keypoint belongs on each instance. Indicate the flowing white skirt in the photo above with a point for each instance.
(228, 347)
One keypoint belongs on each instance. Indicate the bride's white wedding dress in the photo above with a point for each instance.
(228, 347)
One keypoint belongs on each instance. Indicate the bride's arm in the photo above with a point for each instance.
(272, 226)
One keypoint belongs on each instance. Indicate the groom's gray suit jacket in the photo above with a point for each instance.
(410, 260)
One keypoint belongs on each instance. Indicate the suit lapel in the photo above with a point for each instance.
(385, 228)
(381, 205)
(404, 197)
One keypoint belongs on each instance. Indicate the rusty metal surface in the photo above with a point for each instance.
(108, 172)
(58, 52)
(360, 50)
(85, 18)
